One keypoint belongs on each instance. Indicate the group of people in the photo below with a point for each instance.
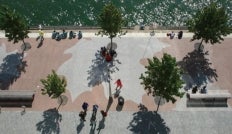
(202, 90)
(172, 35)
(85, 106)
(83, 113)
(58, 36)
(108, 54)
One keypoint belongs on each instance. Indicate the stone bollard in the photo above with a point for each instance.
(24, 110)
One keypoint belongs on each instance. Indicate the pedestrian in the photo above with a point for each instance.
(79, 35)
(117, 93)
(172, 35)
(203, 90)
(41, 33)
(194, 90)
(95, 107)
(40, 27)
(85, 106)
(180, 34)
(119, 84)
(93, 118)
(104, 114)
(82, 114)
(108, 57)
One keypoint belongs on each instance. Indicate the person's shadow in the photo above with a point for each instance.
(51, 121)
(148, 122)
(41, 39)
(93, 122)
(80, 127)
(93, 127)
(101, 125)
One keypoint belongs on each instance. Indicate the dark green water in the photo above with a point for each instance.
(84, 12)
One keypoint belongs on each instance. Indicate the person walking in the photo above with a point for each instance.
(93, 118)
(95, 107)
(82, 115)
(119, 84)
(104, 114)
(85, 106)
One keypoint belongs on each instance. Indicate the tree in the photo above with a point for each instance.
(15, 26)
(111, 21)
(210, 24)
(54, 85)
(162, 78)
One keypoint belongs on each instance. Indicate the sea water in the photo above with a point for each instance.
(135, 12)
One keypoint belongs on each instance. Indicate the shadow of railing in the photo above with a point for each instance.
(148, 122)
(198, 68)
(50, 124)
(10, 69)
(100, 69)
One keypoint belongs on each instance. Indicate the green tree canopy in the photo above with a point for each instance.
(54, 85)
(210, 24)
(110, 21)
(163, 78)
(15, 26)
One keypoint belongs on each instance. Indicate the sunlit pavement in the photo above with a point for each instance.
(178, 120)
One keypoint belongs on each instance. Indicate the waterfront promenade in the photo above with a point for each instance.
(78, 61)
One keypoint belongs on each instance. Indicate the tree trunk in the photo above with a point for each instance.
(60, 102)
(158, 105)
(110, 101)
(24, 47)
(110, 94)
(199, 48)
(111, 43)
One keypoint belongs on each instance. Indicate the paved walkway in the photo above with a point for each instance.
(69, 57)
(50, 122)
(137, 33)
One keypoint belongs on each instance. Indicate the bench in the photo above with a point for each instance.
(11, 98)
(213, 98)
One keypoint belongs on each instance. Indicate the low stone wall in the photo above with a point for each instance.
(10, 98)
(213, 98)
(137, 27)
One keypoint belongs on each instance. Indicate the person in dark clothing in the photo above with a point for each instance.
(79, 35)
(203, 90)
(82, 114)
(93, 117)
(85, 106)
(180, 35)
(194, 90)
(104, 114)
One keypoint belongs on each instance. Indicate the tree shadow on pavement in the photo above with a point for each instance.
(148, 122)
(80, 127)
(197, 68)
(110, 101)
(10, 69)
(98, 71)
(51, 121)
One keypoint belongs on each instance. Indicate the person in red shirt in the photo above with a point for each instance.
(104, 114)
(119, 84)
(108, 57)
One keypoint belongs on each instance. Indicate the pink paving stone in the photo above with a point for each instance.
(51, 55)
